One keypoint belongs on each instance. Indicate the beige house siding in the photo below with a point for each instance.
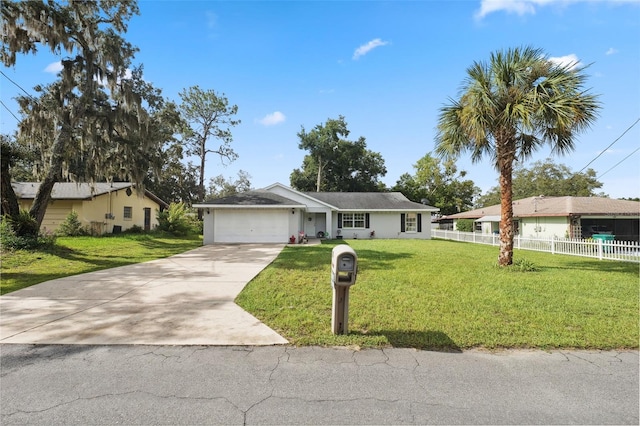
(101, 213)
(544, 227)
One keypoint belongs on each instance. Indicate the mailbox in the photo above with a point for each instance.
(344, 268)
(344, 265)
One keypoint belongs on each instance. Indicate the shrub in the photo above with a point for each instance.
(11, 240)
(523, 265)
(175, 219)
(464, 225)
(71, 226)
(135, 229)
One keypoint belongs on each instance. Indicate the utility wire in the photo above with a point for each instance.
(10, 112)
(618, 163)
(17, 85)
(605, 150)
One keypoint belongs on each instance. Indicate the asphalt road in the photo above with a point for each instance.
(82, 384)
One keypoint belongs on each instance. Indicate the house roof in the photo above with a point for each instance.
(369, 201)
(558, 206)
(76, 191)
(353, 201)
(258, 198)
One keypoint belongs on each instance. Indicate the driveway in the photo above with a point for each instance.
(185, 299)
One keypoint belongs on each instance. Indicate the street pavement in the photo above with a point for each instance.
(283, 385)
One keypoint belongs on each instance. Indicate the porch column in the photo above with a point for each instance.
(329, 224)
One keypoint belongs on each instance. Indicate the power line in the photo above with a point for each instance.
(10, 112)
(618, 163)
(17, 85)
(605, 150)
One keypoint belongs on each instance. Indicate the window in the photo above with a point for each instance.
(128, 213)
(353, 220)
(410, 223)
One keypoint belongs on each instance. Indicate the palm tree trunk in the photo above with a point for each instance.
(505, 165)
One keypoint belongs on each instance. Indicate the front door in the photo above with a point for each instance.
(147, 219)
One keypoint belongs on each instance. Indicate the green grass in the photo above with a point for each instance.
(443, 295)
(76, 255)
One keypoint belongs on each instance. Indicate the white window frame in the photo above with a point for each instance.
(350, 220)
(126, 216)
(411, 222)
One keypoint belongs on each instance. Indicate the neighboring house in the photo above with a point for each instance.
(562, 217)
(277, 213)
(101, 207)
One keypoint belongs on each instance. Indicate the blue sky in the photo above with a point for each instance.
(388, 67)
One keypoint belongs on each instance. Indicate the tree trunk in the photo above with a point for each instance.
(505, 166)
(43, 196)
(201, 191)
(10, 204)
(319, 179)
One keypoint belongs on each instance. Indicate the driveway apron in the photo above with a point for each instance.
(187, 299)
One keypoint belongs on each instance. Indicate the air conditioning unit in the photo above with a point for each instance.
(109, 216)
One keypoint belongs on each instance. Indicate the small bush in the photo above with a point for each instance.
(175, 220)
(523, 265)
(71, 227)
(464, 225)
(25, 225)
(10, 240)
(135, 229)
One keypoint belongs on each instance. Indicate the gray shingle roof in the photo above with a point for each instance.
(75, 191)
(369, 201)
(257, 197)
(558, 206)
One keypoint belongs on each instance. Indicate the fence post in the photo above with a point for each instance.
(600, 249)
(553, 245)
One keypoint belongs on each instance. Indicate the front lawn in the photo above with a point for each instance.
(444, 295)
(76, 255)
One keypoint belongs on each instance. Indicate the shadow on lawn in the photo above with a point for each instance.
(600, 266)
(429, 340)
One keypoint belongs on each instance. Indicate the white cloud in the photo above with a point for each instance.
(520, 7)
(273, 119)
(54, 67)
(366, 48)
(523, 7)
(570, 60)
(611, 51)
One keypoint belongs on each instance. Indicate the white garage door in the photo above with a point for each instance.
(251, 226)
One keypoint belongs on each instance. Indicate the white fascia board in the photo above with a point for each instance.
(387, 210)
(308, 197)
(240, 206)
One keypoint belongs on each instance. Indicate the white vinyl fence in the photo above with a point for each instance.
(627, 251)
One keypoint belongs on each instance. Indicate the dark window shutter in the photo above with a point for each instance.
(339, 220)
(366, 220)
(419, 222)
(402, 216)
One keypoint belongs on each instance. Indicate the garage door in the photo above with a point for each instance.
(251, 226)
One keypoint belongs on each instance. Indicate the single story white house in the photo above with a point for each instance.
(279, 214)
(561, 217)
(102, 208)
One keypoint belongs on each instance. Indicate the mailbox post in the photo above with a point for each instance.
(344, 268)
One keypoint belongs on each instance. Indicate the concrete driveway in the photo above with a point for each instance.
(185, 299)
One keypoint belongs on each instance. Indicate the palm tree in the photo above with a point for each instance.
(508, 108)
